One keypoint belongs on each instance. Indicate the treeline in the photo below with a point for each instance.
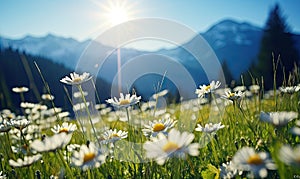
(18, 69)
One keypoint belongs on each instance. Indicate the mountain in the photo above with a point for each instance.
(237, 43)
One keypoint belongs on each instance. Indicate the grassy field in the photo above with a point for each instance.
(225, 133)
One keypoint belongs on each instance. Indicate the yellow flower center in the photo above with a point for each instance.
(114, 135)
(88, 157)
(231, 94)
(63, 130)
(77, 79)
(170, 147)
(158, 127)
(207, 88)
(254, 160)
(124, 102)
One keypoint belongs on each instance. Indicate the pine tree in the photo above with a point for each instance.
(277, 43)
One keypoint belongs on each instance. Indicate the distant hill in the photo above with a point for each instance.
(13, 74)
(237, 43)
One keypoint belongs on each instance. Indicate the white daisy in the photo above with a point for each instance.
(176, 144)
(160, 94)
(235, 97)
(209, 128)
(239, 88)
(124, 101)
(57, 141)
(89, 156)
(290, 156)
(5, 126)
(76, 79)
(2, 176)
(246, 159)
(113, 135)
(207, 89)
(20, 122)
(65, 127)
(77, 94)
(227, 171)
(278, 119)
(22, 89)
(296, 129)
(47, 97)
(157, 126)
(28, 160)
(289, 89)
(254, 89)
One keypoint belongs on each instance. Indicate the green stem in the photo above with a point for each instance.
(88, 113)
(61, 158)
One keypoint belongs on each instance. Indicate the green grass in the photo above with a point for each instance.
(242, 128)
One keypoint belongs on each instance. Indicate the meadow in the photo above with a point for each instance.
(238, 132)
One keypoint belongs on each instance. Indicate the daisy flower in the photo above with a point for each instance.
(289, 89)
(157, 126)
(290, 156)
(57, 141)
(176, 144)
(227, 171)
(207, 89)
(124, 101)
(236, 96)
(2, 176)
(89, 156)
(239, 88)
(47, 97)
(254, 89)
(76, 79)
(28, 160)
(278, 119)
(113, 135)
(20, 89)
(246, 159)
(209, 128)
(296, 130)
(160, 94)
(20, 122)
(5, 126)
(65, 127)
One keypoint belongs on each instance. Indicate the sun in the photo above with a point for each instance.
(117, 12)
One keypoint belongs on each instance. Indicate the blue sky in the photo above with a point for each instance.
(83, 19)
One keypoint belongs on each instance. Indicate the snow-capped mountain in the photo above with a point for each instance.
(237, 43)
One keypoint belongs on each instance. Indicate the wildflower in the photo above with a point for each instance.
(246, 159)
(124, 101)
(65, 127)
(160, 94)
(278, 119)
(77, 94)
(89, 156)
(296, 130)
(2, 176)
(113, 136)
(227, 171)
(290, 156)
(157, 126)
(207, 89)
(47, 97)
(5, 126)
(57, 141)
(254, 89)
(209, 128)
(289, 89)
(80, 106)
(176, 144)
(27, 105)
(28, 160)
(76, 79)
(236, 96)
(239, 88)
(20, 89)
(20, 122)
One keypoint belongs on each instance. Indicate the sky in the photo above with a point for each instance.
(86, 19)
